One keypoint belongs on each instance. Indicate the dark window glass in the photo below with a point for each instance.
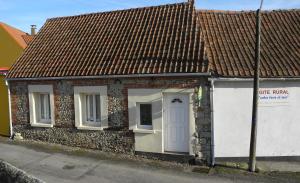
(146, 114)
(98, 116)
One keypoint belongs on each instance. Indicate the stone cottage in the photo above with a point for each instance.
(136, 81)
(108, 81)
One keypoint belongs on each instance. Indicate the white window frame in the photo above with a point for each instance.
(34, 92)
(138, 116)
(80, 93)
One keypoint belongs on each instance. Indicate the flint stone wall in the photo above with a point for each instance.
(116, 141)
(11, 174)
(117, 138)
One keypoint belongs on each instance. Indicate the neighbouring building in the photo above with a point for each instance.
(230, 48)
(158, 81)
(12, 44)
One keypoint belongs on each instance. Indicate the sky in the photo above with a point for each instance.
(23, 13)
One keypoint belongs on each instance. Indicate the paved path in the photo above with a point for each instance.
(62, 168)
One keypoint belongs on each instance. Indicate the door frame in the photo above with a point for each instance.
(191, 115)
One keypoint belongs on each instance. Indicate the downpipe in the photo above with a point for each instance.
(9, 109)
(212, 141)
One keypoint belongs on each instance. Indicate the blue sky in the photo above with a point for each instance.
(23, 13)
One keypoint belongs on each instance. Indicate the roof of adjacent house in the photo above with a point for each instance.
(27, 38)
(3, 71)
(151, 40)
(163, 39)
(4, 68)
(230, 42)
(19, 36)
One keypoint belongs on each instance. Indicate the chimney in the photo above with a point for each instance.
(33, 29)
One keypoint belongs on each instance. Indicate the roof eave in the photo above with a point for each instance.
(113, 76)
(296, 78)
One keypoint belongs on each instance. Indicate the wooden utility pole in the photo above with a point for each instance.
(252, 156)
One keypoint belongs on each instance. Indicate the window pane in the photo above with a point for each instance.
(146, 114)
(89, 108)
(98, 115)
(42, 106)
(49, 109)
(91, 114)
(45, 107)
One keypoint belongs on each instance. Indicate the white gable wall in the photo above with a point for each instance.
(278, 120)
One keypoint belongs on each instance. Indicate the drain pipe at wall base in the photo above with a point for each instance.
(9, 109)
(212, 142)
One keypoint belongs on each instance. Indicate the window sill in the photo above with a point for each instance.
(89, 128)
(144, 131)
(42, 125)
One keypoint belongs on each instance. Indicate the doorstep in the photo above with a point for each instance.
(183, 158)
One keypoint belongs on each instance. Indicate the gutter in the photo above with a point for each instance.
(9, 108)
(251, 79)
(110, 76)
(212, 141)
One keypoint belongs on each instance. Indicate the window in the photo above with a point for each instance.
(44, 108)
(93, 108)
(146, 114)
(90, 107)
(41, 105)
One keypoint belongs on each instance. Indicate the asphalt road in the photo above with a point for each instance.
(62, 168)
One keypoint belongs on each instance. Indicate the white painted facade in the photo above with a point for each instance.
(278, 120)
(153, 140)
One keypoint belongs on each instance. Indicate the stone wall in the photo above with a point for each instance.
(65, 132)
(64, 102)
(20, 107)
(117, 141)
(11, 174)
(203, 126)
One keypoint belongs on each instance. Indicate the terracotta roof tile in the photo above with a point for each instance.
(151, 40)
(230, 42)
(163, 39)
(27, 38)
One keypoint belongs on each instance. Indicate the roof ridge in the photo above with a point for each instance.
(9, 26)
(116, 11)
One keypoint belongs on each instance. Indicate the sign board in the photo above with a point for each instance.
(273, 96)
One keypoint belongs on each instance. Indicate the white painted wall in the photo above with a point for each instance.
(146, 140)
(278, 121)
(153, 140)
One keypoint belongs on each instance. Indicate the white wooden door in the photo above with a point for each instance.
(176, 123)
